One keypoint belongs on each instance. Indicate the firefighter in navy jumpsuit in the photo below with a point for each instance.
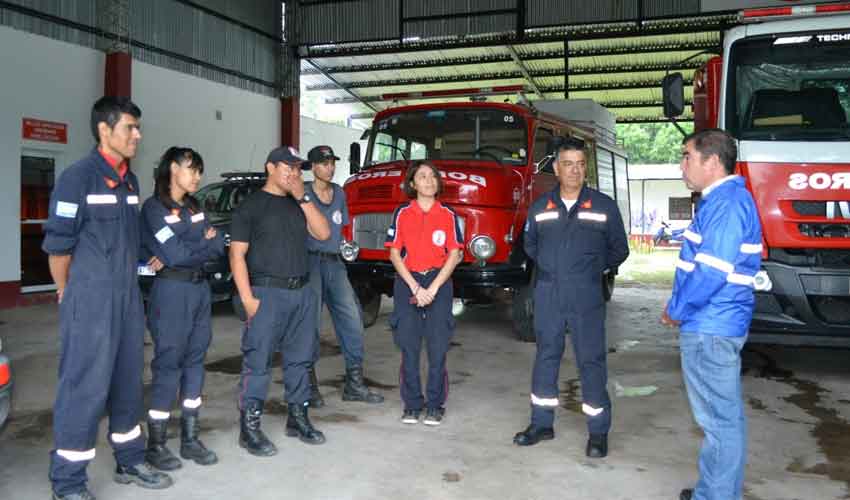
(93, 229)
(571, 247)
(425, 241)
(176, 231)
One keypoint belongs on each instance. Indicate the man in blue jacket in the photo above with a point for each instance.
(712, 303)
(573, 233)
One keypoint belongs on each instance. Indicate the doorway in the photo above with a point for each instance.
(37, 177)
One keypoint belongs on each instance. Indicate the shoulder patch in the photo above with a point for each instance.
(66, 209)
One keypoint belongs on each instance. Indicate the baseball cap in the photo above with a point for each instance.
(285, 154)
(321, 154)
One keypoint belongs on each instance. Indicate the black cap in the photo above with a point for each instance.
(321, 154)
(285, 154)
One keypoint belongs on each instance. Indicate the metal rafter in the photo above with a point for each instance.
(525, 73)
(502, 75)
(354, 96)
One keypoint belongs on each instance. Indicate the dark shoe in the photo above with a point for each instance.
(251, 437)
(316, 399)
(597, 446)
(410, 416)
(143, 475)
(157, 454)
(533, 435)
(686, 494)
(434, 416)
(355, 389)
(80, 495)
(191, 448)
(298, 425)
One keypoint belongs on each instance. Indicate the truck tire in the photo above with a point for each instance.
(522, 312)
(607, 286)
(370, 304)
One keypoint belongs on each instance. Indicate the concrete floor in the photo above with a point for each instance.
(798, 402)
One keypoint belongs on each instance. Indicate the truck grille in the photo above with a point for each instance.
(370, 229)
(820, 230)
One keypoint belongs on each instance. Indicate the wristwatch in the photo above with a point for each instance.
(304, 199)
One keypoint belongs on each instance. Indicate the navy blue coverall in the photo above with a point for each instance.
(180, 303)
(571, 249)
(94, 217)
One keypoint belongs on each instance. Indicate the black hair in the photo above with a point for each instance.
(108, 109)
(713, 141)
(162, 175)
(411, 173)
(569, 144)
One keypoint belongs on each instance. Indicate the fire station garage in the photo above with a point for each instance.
(489, 92)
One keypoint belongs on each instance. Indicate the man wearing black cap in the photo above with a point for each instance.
(268, 258)
(329, 279)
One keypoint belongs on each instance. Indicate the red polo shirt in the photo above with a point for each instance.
(425, 238)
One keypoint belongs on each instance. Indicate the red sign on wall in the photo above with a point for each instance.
(40, 130)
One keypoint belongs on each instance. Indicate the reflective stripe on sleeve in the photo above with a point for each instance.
(740, 279)
(66, 209)
(537, 401)
(685, 265)
(164, 234)
(192, 403)
(692, 236)
(76, 456)
(117, 437)
(589, 410)
(751, 248)
(714, 262)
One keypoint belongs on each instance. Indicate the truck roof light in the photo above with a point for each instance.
(799, 10)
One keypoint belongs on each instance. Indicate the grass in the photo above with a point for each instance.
(654, 268)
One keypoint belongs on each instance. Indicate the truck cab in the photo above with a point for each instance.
(494, 159)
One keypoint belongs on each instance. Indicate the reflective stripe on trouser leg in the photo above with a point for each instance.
(549, 329)
(407, 325)
(591, 350)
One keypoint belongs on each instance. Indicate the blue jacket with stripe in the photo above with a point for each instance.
(720, 256)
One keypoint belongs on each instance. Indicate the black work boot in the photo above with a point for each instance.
(597, 446)
(298, 425)
(191, 448)
(355, 389)
(157, 454)
(316, 399)
(686, 494)
(251, 437)
(143, 475)
(533, 435)
(78, 495)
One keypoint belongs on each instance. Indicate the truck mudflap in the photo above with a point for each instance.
(806, 306)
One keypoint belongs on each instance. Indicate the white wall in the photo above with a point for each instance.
(48, 80)
(650, 198)
(339, 138)
(179, 109)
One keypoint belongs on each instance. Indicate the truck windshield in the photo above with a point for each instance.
(791, 87)
(491, 135)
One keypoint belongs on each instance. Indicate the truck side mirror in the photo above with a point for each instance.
(354, 158)
(673, 91)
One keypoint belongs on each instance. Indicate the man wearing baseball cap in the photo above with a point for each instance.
(329, 280)
(268, 258)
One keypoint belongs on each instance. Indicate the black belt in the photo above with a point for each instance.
(324, 255)
(182, 275)
(427, 271)
(287, 283)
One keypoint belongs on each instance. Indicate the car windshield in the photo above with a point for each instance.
(219, 200)
(790, 87)
(493, 135)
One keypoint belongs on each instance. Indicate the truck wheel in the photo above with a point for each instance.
(523, 312)
(370, 304)
(607, 286)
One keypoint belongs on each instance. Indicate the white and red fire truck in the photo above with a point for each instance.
(494, 161)
(782, 89)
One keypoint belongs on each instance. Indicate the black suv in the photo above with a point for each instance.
(218, 201)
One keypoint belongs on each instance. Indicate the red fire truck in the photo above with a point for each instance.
(782, 89)
(494, 159)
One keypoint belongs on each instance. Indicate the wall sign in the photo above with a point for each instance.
(41, 130)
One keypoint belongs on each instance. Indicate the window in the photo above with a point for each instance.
(541, 142)
(680, 208)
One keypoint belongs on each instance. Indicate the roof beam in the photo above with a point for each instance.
(355, 97)
(525, 73)
(502, 58)
(503, 75)
(573, 33)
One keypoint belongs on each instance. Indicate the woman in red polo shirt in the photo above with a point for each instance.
(425, 243)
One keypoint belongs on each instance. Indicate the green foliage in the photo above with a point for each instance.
(649, 143)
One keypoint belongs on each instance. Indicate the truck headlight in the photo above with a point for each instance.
(761, 281)
(482, 247)
(349, 251)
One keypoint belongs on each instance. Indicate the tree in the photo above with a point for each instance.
(649, 143)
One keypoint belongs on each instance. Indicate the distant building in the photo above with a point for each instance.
(658, 194)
